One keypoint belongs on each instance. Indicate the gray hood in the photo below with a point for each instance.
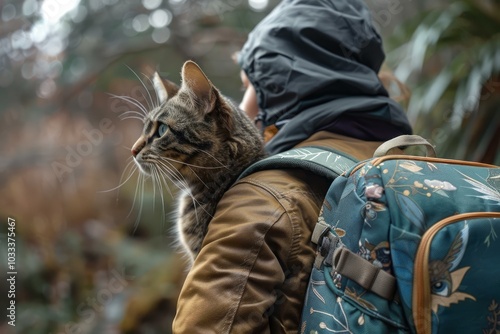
(314, 67)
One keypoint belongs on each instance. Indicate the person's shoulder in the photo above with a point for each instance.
(278, 183)
(351, 147)
(262, 203)
(284, 187)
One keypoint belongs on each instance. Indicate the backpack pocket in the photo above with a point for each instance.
(335, 307)
(456, 282)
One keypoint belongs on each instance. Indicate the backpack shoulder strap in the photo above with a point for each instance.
(321, 161)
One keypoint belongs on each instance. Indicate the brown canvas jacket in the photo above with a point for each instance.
(252, 272)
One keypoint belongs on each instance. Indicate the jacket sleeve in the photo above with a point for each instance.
(236, 279)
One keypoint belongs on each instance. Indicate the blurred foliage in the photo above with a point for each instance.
(450, 56)
(94, 249)
(92, 258)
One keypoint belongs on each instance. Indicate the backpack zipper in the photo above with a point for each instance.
(421, 280)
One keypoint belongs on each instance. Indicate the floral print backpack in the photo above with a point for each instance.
(407, 244)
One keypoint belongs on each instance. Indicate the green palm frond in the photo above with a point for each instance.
(452, 60)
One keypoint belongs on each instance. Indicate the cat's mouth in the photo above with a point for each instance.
(150, 165)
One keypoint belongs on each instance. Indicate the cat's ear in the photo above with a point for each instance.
(164, 88)
(196, 83)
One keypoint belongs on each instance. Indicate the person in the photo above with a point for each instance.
(311, 67)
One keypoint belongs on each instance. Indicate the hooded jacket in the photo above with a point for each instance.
(253, 268)
(313, 64)
(314, 67)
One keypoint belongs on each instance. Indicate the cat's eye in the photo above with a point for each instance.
(162, 129)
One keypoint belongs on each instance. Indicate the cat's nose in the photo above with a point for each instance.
(134, 152)
(138, 146)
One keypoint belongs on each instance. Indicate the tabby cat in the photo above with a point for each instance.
(201, 142)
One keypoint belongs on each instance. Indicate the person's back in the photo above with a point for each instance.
(252, 271)
(313, 67)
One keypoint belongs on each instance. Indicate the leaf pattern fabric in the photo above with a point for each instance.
(383, 212)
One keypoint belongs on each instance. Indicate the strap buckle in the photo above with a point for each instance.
(327, 243)
(364, 273)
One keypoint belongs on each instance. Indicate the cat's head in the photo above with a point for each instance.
(192, 127)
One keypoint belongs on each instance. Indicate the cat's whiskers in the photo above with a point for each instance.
(139, 214)
(145, 99)
(135, 115)
(152, 105)
(199, 178)
(182, 185)
(139, 179)
(174, 175)
(138, 103)
(158, 102)
(132, 117)
(161, 174)
(132, 112)
(154, 180)
(188, 164)
(168, 160)
(135, 194)
(131, 100)
(176, 178)
(147, 90)
(120, 183)
(158, 179)
(213, 157)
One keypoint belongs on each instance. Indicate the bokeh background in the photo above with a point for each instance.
(95, 254)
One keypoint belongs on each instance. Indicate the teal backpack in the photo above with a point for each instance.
(405, 244)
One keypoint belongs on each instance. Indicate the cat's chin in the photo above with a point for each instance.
(143, 167)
